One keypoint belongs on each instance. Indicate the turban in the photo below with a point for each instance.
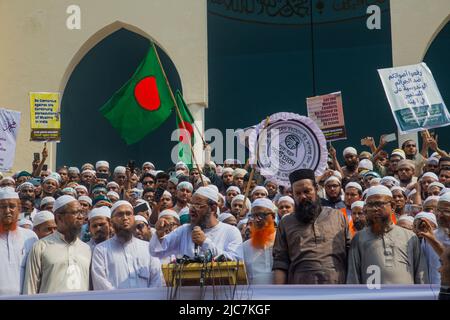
(353, 185)
(331, 179)
(359, 204)
(99, 212)
(139, 218)
(287, 199)
(436, 184)
(224, 216)
(379, 190)
(8, 193)
(62, 201)
(101, 164)
(120, 169)
(426, 215)
(445, 197)
(365, 164)
(265, 203)
(47, 200)
(260, 188)
(209, 193)
(429, 175)
(25, 222)
(233, 188)
(350, 150)
(85, 199)
(118, 204)
(301, 174)
(185, 185)
(406, 163)
(42, 216)
(168, 213)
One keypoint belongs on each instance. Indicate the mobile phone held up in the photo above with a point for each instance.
(37, 156)
(158, 194)
(44, 167)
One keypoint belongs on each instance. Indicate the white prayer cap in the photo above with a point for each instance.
(70, 190)
(375, 181)
(99, 212)
(411, 193)
(224, 216)
(120, 169)
(406, 163)
(87, 165)
(101, 164)
(148, 164)
(287, 199)
(260, 188)
(112, 184)
(429, 175)
(47, 200)
(92, 172)
(11, 179)
(435, 155)
(181, 165)
(174, 180)
(426, 215)
(207, 192)
(118, 204)
(353, 185)
(166, 194)
(399, 152)
(25, 184)
(444, 191)
(337, 174)
(239, 172)
(25, 222)
(169, 213)
(8, 193)
(227, 170)
(350, 150)
(214, 187)
(139, 218)
(430, 198)
(113, 194)
(331, 179)
(62, 201)
(265, 203)
(388, 179)
(205, 179)
(436, 184)
(359, 204)
(379, 190)
(185, 185)
(43, 216)
(365, 164)
(86, 199)
(405, 217)
(242, 222)
(240, 197)
(51, 177)
(234, 188)
(403, 190)
(432, 160)
(73, 170)
(445, 197)
(80, 186)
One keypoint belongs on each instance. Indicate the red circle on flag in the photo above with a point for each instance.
(146, 94)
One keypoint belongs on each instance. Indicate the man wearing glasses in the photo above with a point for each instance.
(384, 253)
(205, 235)
(60, 262)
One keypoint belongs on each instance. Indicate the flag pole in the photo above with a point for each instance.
(252, 172)
(177, 111)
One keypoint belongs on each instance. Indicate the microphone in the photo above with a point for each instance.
(196, 250)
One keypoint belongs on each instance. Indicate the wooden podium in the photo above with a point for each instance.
(213, 273)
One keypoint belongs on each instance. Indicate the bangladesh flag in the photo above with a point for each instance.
(184, 151)
(143, 103)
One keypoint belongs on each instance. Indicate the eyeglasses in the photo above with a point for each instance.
(75, 213)
(259, 215)
(377, 204)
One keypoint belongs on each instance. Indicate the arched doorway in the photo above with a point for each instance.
(437, 60)
(86, 135)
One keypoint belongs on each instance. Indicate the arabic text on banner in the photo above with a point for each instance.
(326, 111)
(9, 123)
(414, 97)
(45, 116)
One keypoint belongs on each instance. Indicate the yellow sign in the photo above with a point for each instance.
(45, 116)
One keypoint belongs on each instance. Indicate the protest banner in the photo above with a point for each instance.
(45, 116)
(326, 111)
(414, 97)
(10, 123)
(288, 143)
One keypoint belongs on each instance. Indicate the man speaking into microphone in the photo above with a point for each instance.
(205, 234)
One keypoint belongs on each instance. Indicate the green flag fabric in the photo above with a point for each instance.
(184, 151)
(143, 103)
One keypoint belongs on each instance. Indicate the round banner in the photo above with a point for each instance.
(289, 142)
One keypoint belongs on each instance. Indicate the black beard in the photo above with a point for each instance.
(100, 236)
(123, 234)
(359, 225)
(72, 233)
(307, 212)
(351, 166)
(384, 221)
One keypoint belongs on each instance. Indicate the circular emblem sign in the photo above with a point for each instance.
(288, 143)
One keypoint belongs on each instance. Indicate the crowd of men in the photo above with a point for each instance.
(94, 228)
